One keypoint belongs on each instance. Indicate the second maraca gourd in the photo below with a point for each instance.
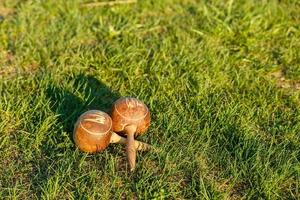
(130, 117)
(92, 133)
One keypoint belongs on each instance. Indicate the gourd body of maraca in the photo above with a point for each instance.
(130, 117)
(92, 131)
(130, 111)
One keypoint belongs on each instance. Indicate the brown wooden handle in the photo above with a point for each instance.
(142, 146)
(130, 148)
(139, 146)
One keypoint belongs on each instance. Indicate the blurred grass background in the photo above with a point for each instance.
(222, 80)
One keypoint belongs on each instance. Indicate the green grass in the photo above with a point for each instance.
(225, 126)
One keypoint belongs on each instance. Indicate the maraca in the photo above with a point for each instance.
(130, 117)
(92, 133)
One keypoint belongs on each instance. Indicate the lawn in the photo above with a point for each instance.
(221, 79)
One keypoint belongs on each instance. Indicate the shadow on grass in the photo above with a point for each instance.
(94, 95)
(57, 153)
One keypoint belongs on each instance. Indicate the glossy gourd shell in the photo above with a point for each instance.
(92, 131)
(130, 111)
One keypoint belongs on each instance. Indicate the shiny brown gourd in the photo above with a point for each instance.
(93, 133)
(130, 117)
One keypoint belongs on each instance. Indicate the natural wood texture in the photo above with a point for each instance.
(140, 146)
(130, 117)
(130, 148)
(92, 133)
(130, 111)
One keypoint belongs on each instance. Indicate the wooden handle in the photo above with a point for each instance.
(140, 146)
(130, 148)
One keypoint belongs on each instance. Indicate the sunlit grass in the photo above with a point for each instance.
(226, 126)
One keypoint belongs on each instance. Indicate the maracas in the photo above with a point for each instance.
(92, 133)
(130, 117)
